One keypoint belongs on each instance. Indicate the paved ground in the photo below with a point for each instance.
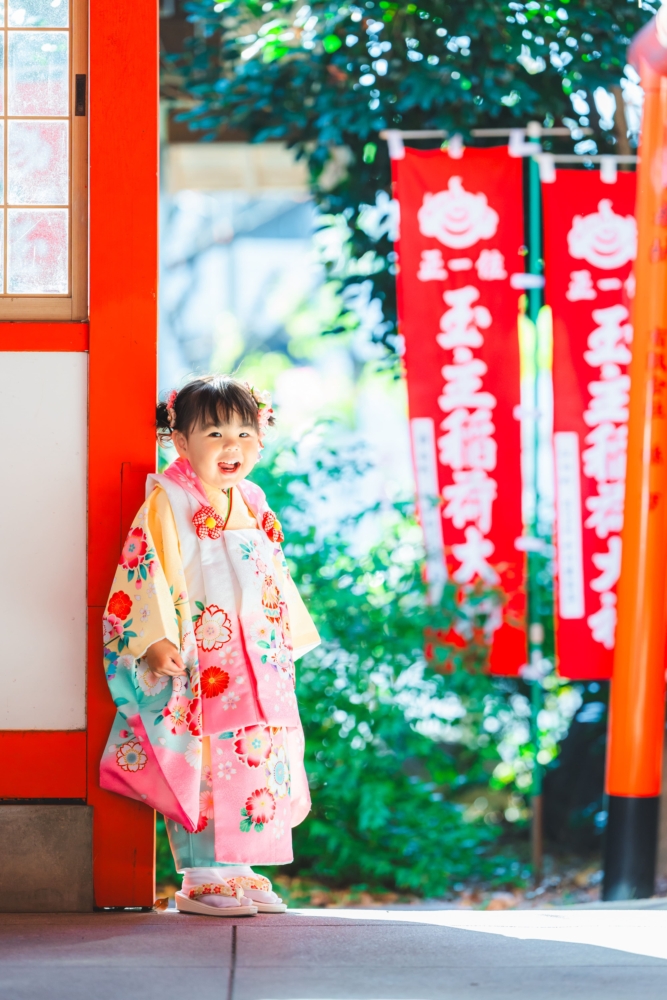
(584, 954)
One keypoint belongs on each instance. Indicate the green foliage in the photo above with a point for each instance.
(395, 749)
(327, 77)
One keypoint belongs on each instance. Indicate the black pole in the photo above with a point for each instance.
(631, 845)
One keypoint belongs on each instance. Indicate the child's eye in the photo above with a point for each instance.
(215, 434)
(244, 434)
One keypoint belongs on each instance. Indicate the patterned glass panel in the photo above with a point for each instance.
(2, 176)
(37, 162)
(37, 251)
(38, 69)
(2, 73)
(38, 13)
(2, 243)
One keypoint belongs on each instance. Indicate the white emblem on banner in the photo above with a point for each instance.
(603, 239)
(569, 535)
(456, 217)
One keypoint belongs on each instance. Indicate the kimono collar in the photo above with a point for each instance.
(206, 521)
(181, 472)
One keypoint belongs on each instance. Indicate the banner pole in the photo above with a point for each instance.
(535, 264)
(637, 703)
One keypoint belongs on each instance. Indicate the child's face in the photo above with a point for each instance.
(221, 454)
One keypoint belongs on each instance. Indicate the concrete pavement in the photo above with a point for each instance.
(577, 954)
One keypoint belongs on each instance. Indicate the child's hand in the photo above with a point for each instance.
(164, 660)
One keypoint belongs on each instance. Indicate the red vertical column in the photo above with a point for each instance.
(637, 705)
(123, 340)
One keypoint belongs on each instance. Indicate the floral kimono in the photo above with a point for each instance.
(219, 751)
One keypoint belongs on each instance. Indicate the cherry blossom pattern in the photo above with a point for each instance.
(260, 808)
(226, 769)
(272, 527)
(277, 773)
(131, 757)
(137, 557)
(175, 715)
(213, 628)
(253, 745)
(214, 681)
(120, 604)
(114, 628)
(149, 683)
(208, 523)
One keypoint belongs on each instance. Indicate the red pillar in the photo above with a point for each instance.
(123, 339)
(637, 711)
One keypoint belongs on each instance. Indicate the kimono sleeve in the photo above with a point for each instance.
(304, 634)
(143, 604)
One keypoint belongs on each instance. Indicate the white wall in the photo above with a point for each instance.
(43, 429)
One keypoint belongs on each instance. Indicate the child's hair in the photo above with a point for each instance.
(210, 399)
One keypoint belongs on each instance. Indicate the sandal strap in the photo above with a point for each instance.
(212, 889)
(250, 882)
(230, 886)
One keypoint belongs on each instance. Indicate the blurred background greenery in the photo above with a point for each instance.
(277, 262)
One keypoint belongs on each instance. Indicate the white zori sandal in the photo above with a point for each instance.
(241, 892)
(220, 899)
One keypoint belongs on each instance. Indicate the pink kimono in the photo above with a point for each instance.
(220, 750)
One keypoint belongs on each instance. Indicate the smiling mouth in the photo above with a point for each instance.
(229, 468)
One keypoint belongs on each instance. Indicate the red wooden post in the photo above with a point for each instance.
(123, 342)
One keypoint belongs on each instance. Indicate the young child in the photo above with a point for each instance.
(201, 632)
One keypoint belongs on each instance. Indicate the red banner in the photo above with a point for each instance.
(461, 233)
(590, 242)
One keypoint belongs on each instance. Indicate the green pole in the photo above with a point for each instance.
(535, 558)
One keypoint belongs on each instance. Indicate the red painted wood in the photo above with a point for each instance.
(43, 764)
(123, 340)
(19, 336)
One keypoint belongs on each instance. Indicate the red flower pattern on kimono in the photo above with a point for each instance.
(214, 680)
(273, 527)
(208, 523)
(134, 549)
(261, 807)
(194, 718)
(202, 822)
(120, 604)
(254, 746)
(213, 628)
